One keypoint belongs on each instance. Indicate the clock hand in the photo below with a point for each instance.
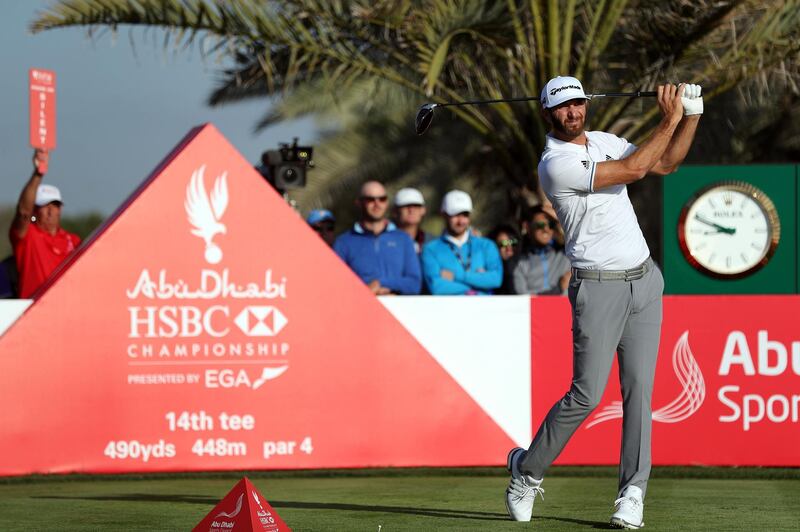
(719, 228)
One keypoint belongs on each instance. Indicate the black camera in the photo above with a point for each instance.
(286, 167)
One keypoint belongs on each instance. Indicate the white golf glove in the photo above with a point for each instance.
(692, 100)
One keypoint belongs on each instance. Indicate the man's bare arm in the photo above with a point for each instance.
(678, 147)
(641, 162)
(27, 197)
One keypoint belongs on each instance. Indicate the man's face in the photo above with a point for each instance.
(373, 201)
(505, 243)
(49, 216)
(567, 119)
(326, 230)
(410, 215)
(457, 225)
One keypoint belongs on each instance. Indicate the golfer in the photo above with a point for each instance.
(615, 290)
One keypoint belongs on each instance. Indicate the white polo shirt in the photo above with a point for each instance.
(600, 227)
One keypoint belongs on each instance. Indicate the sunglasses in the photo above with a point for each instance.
(323, 228)
(374, 199)
(544, 225)
(508, 242)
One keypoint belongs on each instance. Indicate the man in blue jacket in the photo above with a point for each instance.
(458, 262)
(380, 254)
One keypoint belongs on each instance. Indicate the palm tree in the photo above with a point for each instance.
(366, 65)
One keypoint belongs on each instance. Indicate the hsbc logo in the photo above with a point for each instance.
(260, 321)
(186, 321)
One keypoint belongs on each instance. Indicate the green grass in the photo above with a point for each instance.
(575, 499)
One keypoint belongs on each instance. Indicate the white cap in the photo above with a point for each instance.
(47, 194)
(408, 196)
(456, 202)
(561, 89)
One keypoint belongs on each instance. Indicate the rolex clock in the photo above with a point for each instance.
(729, 230)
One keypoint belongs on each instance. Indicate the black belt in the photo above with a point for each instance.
(614, 275)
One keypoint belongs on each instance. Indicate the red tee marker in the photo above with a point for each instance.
(243, 509)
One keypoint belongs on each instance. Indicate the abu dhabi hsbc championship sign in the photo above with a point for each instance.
(172, 323)
(206, 327)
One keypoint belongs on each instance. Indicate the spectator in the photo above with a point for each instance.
(460, 262)
(409, 210)
(9, 280)
(542, 268)
(324, 223)
(381, 255)
(506, 239)
(39, 247)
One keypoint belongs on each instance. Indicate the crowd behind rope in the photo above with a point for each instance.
(393, 255)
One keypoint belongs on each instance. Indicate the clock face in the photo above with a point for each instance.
(729, 230)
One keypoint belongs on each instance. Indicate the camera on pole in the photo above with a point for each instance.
(285, 168)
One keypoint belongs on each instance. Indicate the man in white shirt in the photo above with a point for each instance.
(615, 290)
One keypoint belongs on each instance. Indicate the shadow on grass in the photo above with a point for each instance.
(304, 505)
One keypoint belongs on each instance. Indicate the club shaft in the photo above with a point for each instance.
(636, 94)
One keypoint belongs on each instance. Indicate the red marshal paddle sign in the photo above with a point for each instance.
(42, 85)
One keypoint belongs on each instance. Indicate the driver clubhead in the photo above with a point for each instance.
(424, 118)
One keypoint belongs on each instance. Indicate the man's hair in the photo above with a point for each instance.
(530, 212)
(508, 229)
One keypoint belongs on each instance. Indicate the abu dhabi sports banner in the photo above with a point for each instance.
(206, 327)
(727, 388)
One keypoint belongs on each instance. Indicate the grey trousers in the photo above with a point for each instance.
(608, 316)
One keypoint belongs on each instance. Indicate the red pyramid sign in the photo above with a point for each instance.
(243, 509)
(207, 327)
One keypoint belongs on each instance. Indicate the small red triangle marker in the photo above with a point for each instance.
(243, 509)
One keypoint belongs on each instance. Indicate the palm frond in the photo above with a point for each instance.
(362, 67)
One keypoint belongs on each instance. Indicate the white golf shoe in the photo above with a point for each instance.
(522, 489)
(629, 509)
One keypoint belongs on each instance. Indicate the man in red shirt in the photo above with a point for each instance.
(39, 247)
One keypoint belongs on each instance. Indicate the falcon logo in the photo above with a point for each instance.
(688, 401)
(261, 512)
(205, 212)
(260, 321)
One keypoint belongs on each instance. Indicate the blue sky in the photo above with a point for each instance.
(120, 109)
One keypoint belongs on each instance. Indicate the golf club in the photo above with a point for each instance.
(425, 113)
